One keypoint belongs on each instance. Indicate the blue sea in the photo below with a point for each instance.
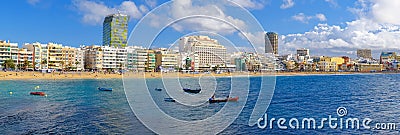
(77, 107)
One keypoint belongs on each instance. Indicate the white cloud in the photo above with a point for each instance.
(151, 3)
(335, 40)
(94, 12)
(377, 27)
(33, 2)
(287, 4)
(183, 8)
(301, 17)
(332, 2)
(250, 4)
(386, 11)
(321, 17)
(257, 38)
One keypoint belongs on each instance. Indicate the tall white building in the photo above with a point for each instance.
(203, 51)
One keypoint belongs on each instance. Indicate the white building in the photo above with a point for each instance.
(204, 51)
(40, 54)
(79, 59)
(121, 58)
(8, 51)
(136, 58)
(109, 58)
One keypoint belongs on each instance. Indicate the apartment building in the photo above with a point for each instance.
(166, 60)
(93, 57)
(8, 51)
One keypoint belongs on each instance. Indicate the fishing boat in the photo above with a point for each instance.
(218, 100)
(188, 90)
(169, 100)
(158, 89)
(104, 89)
(38, 93)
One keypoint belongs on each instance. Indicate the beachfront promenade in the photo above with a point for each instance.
(11, 75)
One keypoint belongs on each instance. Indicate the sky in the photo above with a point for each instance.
(326, 27)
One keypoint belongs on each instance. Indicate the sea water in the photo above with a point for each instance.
(77, 107)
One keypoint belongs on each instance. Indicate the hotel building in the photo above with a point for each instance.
(203, 51)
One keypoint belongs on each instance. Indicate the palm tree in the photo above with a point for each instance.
(76, 65)
(9, 64)
(62, 65)
(26, 64)
(43, 62)
(69, 66)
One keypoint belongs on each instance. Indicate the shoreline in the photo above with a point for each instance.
(30, 75)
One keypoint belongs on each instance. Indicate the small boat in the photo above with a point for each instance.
(104, 89)
(191, 91)
(38, 93)
(215, 100)
(169, 100)
(158, 89)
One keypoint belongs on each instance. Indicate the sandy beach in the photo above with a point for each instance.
(10, 75)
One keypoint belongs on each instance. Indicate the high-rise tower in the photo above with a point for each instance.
(272, 38)
(115, 30)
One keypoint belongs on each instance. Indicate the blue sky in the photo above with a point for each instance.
(330, 27)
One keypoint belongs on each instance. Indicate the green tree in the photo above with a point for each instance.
(26, 64)
(43, 62)
(69, 66)
(62, 65)
(9, 64)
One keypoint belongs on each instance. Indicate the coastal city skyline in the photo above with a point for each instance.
(322, 31)
(193, 54)
(200, 67)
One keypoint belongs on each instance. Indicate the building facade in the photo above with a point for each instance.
(271, 38)
(166, 60)
(8, 51)
(204, 51)
(115, 30)
(93, 57)
(364, 53)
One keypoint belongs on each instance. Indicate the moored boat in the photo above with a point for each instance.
(104, 89)
(169, 99)
(158, 89)
(218, 100)
(191, 91)
(38, 93)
